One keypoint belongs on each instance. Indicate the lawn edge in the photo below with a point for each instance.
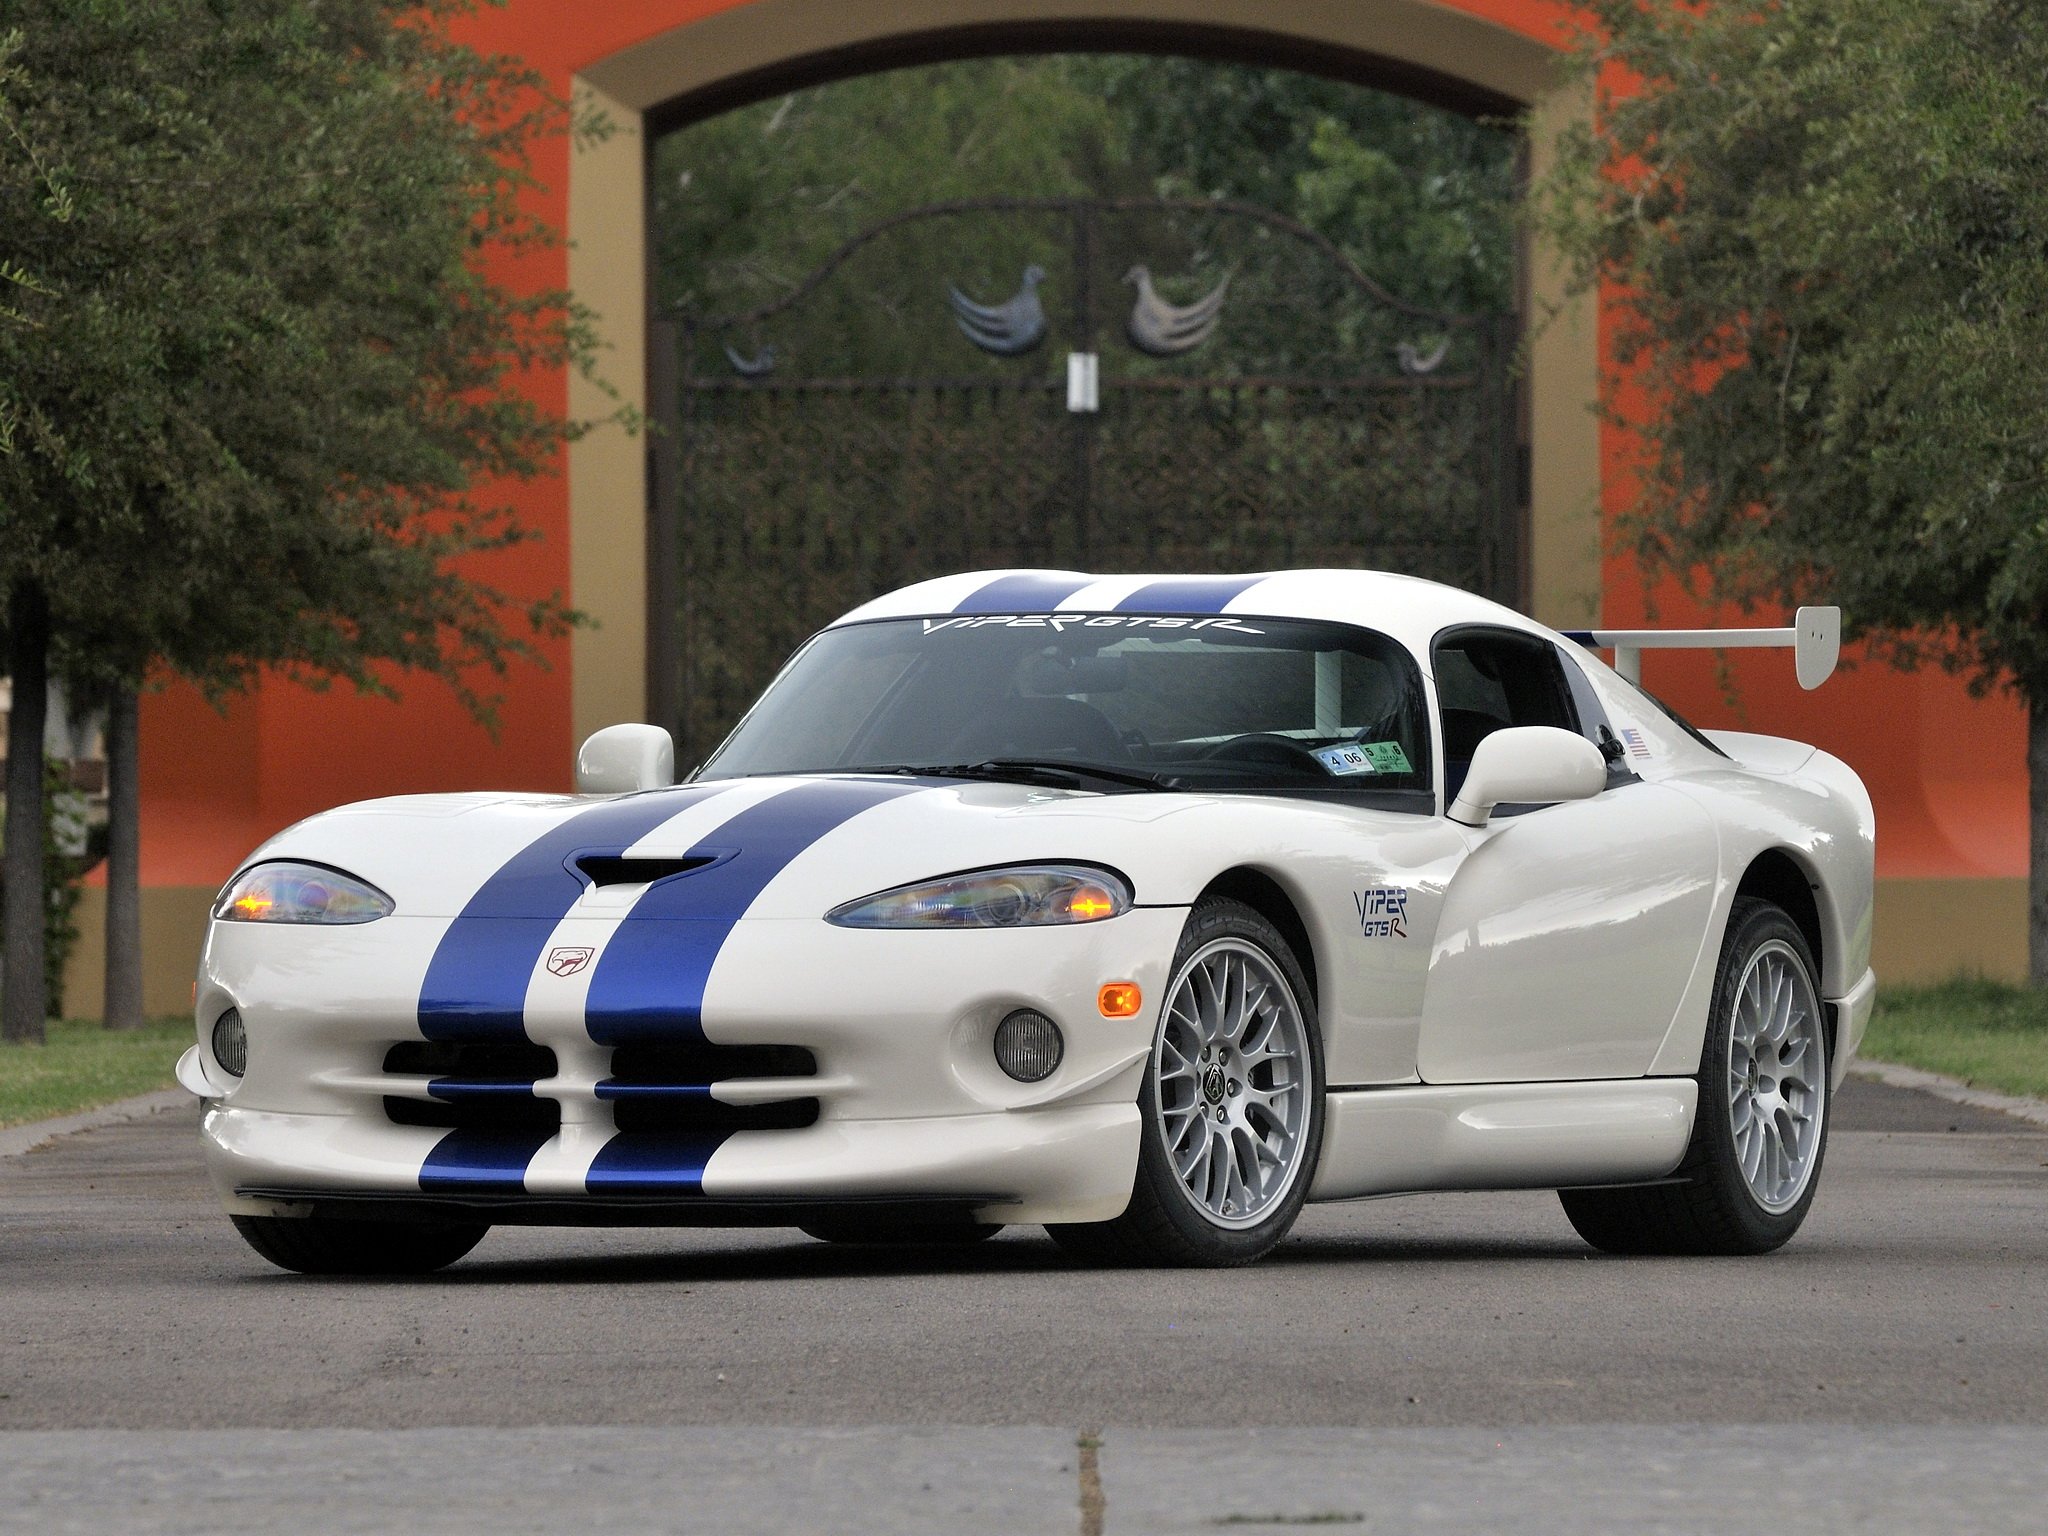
(18, 1140)
(1955, 1090)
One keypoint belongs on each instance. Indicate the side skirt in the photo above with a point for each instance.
(1389, 1141)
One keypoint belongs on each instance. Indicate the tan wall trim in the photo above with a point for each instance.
(608, 468)
(1564, 398)
(1928, 930)
(173, 928)
(764, 33)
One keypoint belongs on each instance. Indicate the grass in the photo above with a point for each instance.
(1987, 1033)
(82, 1066)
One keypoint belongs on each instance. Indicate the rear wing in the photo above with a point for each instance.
(1814, 638)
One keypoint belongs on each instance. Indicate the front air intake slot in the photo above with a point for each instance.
(617, 869)
(666, 1088)
(667, 1062)
(473, 1085)
(512, 1061)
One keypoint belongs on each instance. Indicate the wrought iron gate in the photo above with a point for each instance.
(1086, 383)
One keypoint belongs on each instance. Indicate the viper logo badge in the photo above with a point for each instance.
(568, 961)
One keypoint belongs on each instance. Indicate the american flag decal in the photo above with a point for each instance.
(1636, 744)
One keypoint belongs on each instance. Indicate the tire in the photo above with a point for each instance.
(323, 1245)
(880, 1230)
(1716, 1203)
(1209, 1108)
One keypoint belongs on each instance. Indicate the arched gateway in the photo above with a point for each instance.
(214, 788)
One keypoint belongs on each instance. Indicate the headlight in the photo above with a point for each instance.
(1032, 896)
(300, 893)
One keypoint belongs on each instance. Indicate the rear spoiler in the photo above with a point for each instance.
(1815, 640)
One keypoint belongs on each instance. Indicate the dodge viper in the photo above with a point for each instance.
(1145, 909)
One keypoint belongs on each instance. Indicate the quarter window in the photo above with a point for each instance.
(1489, 679)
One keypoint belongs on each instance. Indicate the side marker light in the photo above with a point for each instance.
(1119, 999)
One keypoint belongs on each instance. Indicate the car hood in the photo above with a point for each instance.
(783, 848)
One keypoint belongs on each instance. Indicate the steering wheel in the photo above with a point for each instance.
(1264, 747)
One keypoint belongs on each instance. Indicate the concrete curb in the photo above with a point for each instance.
(1952, 1089)
(18, 1139)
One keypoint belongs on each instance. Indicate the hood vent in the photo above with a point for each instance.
(616, 869)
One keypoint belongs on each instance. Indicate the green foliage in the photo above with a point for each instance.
(81, 1066)
(261, 386)
(68, 853)
(1421, 199)
(1984, 1032)
(1825, 225)
(747, 203)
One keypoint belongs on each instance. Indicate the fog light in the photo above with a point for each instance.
(1029, 1046)
(231, 1043)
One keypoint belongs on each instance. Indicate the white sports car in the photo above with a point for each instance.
(1146, 908)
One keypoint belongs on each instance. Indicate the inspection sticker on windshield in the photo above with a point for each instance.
(1387, 756)
(1343, 760)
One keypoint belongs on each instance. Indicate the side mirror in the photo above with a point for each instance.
(622, 758)
(1528, 764)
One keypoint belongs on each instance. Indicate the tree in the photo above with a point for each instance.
(1421, 198)
(1823, 227)
(266, 387)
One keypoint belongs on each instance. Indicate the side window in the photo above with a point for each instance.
(1489, 679)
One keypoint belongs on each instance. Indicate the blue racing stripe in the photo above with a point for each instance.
(649, 982)
(1022, 594)
(671, 1162)
(475, 987)
(1187, 594)
(483, 1161)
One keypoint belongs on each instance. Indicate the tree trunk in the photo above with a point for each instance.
(24, 991)
(2037, 841)
(124, 864)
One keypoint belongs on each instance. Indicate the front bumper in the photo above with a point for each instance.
(909, 1104)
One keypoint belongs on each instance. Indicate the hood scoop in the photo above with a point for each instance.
(617, 869)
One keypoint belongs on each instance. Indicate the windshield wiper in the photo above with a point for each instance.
(1032, 770)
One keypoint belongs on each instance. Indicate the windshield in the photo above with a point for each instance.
(1169, 702)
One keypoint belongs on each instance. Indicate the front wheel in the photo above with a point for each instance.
(1760, 1130)
(1232, 1104)
(320, 1245)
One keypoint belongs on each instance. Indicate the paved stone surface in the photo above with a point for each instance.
(888, 1482)
(1430, 1363)
(1609, 1480)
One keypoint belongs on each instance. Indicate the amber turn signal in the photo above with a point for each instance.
(1119, 999)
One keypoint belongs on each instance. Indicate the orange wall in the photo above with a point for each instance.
(1947, 771)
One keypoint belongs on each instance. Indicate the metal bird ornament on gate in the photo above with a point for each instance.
(1008, 329)
(1160, 329)
(759, 366)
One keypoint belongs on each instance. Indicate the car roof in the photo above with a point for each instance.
(1408, 608)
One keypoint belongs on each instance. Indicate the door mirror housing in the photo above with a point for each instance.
(1528, 764)
(622, 758)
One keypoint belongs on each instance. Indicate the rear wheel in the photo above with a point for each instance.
(1760, 1130)
(321, 1245)
(1232, 1104)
